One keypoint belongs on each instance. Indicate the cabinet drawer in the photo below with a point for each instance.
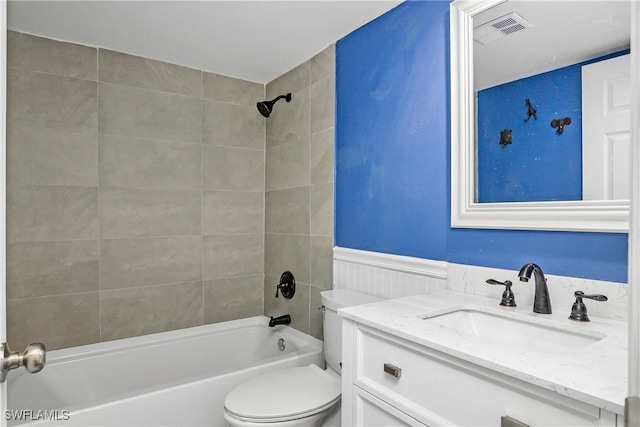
(372, 412)
(437, 389)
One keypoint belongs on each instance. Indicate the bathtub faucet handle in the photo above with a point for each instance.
(287, 285)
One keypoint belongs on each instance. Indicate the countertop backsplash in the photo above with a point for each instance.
(471, 279)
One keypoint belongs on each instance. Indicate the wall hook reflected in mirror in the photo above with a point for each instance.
(559, 124)
(505, 137)
(531, 112)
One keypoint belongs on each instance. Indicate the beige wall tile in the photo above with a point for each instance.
(233, 91)
(321, 264)
(232, 256)
(291, 81)
(151, 170)
(297, 157)
(36, 269)
(289, 121)
(288, 165)
(287, 211)
(129, 111)
(126, 263)
(147, 163)
(149, 212)
(229, 168)
(130, 70)
(287, 252)
(36, 213)
(31, 53)
(324, 64)
(297, 307)
(56, 321)
(150, 309)
(322, 104)
(322, 156)
(49, 101)
(230, 212)
(316, 318)
(232, 125)
(322, 209)
(233, 298)
(41, 156)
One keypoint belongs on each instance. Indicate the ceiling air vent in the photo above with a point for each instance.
(500, 27)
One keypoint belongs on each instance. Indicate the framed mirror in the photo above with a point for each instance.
(530, 181)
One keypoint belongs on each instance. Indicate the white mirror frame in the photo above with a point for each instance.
(599, 215)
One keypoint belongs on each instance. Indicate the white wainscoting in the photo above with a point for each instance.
(386, 276)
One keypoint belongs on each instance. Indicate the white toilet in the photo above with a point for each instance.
(300, 396)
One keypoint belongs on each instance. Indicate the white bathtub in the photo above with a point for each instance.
(177, 378)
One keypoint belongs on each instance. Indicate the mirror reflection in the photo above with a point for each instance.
(552, 89)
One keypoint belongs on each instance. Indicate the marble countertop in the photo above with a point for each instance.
(595, 374)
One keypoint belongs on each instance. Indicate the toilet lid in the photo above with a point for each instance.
(283, 394)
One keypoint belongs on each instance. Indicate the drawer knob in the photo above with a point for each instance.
(393, 370)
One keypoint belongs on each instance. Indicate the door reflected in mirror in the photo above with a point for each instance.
(555, 77)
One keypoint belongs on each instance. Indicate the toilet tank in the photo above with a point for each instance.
(332, 325)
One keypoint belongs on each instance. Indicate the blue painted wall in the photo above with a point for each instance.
(392, 158)
(539, 164)
(391, 116)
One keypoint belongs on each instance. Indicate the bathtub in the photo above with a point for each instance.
(177, 378)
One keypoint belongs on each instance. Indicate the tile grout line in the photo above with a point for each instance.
(264, 208)
(98, 203)
(202, 193)
(310, 103)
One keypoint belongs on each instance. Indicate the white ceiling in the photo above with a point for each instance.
(563, 33)
(251, 40)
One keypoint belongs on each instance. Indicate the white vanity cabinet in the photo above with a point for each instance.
(388, 381)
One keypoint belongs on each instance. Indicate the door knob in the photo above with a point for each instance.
(33, 358)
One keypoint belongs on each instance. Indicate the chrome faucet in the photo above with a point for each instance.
(541, 300)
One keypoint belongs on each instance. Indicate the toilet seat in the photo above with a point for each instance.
(283, 395)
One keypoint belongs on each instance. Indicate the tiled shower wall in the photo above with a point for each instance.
(135, 197)
(299, 190)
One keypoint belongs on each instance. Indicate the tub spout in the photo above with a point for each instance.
(280, 320)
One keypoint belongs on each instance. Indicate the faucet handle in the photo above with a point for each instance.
(287, 285)
(597, 297)
(508, 299)
(579, 309)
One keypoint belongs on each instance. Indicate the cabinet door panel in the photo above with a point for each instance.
(442, 388)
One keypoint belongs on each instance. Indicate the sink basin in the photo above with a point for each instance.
(514, 333)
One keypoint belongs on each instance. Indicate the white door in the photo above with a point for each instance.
(33, 359)
(606, 129)
(3, 210)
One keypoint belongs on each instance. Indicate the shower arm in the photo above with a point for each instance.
(274, 100)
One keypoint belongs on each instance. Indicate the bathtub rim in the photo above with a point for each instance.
(69, 354)
(306, 346)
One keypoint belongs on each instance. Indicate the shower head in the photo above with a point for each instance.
(266, 107)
